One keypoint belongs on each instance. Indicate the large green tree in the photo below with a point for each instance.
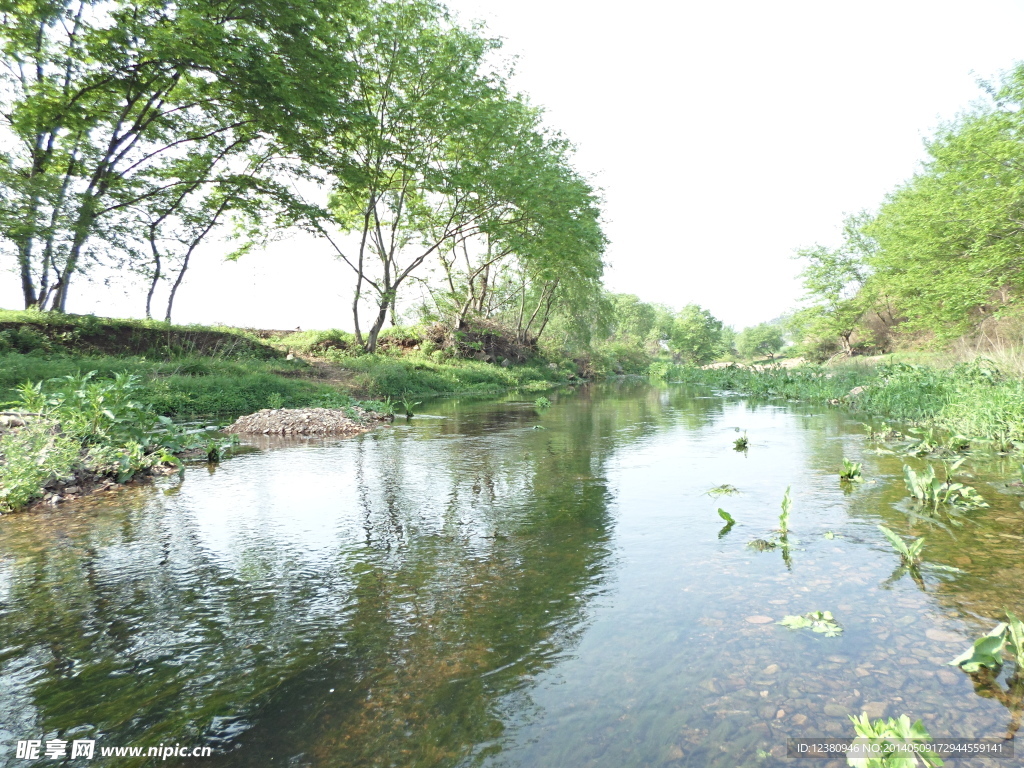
(696, 335)
(761, 340)
(833, 279)
(108, 103)
(951, 240)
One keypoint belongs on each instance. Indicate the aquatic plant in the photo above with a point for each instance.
(987, 651)
(822, 622)
(741, 443)
(541, 402)
(217, 448)
(762, 545)
(911, 554)
(851, 471)
(722, 490)
(929, 489)
(729, 522)
(787, 504)
(892, 737)
(407, 406)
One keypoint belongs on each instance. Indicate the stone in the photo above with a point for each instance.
(72, 489)
(780, 714)
(759, 619)
(675, 753)
(835, 710)
(875, 709)
(944, 636)
(771, 669)
(947, 677)
(799, 719)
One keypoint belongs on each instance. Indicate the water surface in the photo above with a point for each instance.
(489, 585)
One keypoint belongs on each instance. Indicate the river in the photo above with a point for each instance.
(493, 584)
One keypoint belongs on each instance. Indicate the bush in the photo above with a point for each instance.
(29, 458)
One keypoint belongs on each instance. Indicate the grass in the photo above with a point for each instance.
(974, 401)
(193, 371)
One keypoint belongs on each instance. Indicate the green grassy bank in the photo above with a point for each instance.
(972, 402)
(195, 371)
(93, 400)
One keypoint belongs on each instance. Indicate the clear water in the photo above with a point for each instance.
(489, 585)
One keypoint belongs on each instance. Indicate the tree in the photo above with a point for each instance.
(833, 279)
(107, 102)
(951, 240)
(696, 335)
(762, 340)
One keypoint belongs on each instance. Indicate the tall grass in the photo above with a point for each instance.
(976, 399)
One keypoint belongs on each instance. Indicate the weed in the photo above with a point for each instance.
(29, 458)
(722, 490)
(741, 443)
(851, 472)
(888, 739)
(911, 554)
(541, 403)
(929, 489)
(817, 621)
(407, 406)
(726, 516)
(787, 504)
(275, 400)
(987, 651)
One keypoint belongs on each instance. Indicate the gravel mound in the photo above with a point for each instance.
(307, 421)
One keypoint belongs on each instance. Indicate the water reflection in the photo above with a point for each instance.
(493, 585)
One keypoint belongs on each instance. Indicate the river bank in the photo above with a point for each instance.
(107, 396)
(970, 403)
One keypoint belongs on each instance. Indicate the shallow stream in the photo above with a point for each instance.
(489, 584)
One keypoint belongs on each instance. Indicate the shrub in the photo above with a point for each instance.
(29, 458)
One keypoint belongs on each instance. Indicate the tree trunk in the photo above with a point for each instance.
(28, 288)
(382, 316)
(156, 275)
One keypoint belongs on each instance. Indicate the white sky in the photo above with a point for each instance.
(724, 135)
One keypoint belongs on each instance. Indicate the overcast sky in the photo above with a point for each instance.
(723, 134)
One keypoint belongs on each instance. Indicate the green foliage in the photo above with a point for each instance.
(787, 505)
(29, 458)
(741, 443)
(968, 402)
(821, 622)
(949, 246)
(541, 403)
(987, 651)
(851, 471)
(928, 489)
(726, 516)
(723, 490)
(696, 335)
(764, 340)
(890, 735)
(832, 279)
(911, 554)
